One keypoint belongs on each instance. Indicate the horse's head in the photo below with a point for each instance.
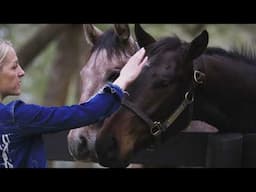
(163, 91)
(110, 52)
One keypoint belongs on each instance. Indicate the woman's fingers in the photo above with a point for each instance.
(138, 55)
(145, 60)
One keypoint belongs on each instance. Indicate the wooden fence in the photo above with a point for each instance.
(210, 150)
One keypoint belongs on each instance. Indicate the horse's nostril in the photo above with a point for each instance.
(82, 144)
(80, 150)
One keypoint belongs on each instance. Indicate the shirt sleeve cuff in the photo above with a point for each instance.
(113, 89)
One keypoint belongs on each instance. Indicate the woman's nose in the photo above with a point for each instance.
(21, 72)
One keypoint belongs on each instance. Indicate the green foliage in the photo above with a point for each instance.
(35, 80)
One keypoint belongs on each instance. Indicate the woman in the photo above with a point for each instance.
(22, 125)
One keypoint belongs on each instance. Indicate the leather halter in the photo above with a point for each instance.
(156, 127)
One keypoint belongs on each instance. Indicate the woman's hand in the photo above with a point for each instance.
(132, 69)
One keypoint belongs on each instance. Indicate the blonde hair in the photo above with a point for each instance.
(4, 48)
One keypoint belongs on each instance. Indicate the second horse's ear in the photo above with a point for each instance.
(122, 31)
(91, 33)
(143, 38)
(198, 45)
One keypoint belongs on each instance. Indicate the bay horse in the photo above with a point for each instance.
(110, 51)
(183, 81)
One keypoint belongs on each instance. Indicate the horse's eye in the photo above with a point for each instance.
(113, 76)
(161, 83)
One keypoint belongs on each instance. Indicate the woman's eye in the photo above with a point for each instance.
(113, 76)
(14, 66)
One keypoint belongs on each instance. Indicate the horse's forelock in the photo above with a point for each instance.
(110, 42)
(164, 44)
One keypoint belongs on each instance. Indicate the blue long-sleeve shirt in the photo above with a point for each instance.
(22, 125)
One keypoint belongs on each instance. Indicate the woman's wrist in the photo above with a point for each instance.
(121, 83)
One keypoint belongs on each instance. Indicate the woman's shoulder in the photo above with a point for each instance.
(6, 110)
(11, 105)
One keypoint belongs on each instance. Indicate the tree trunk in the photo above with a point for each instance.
(66, 64)
(38, 42)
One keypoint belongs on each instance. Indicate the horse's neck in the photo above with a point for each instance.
(227, 78)
(227, 94)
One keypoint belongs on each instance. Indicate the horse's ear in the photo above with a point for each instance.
(198, 45)
(143, 38)
(91, 33)
(122, 31)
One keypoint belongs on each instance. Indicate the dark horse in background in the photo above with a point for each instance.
(109, 53)
(183, 82)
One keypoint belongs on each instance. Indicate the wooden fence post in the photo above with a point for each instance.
(224, 151)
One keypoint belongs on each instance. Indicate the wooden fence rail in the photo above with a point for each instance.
(210, 150)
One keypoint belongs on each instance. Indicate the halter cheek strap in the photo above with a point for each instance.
(156, 127)
(189, 98)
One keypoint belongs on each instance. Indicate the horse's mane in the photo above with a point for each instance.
(245, 53)
(110, 42)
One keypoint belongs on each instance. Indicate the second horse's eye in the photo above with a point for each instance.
(113, 76)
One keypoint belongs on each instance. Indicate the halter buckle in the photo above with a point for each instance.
(189, 98)
(199, 77)
(156, 128)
